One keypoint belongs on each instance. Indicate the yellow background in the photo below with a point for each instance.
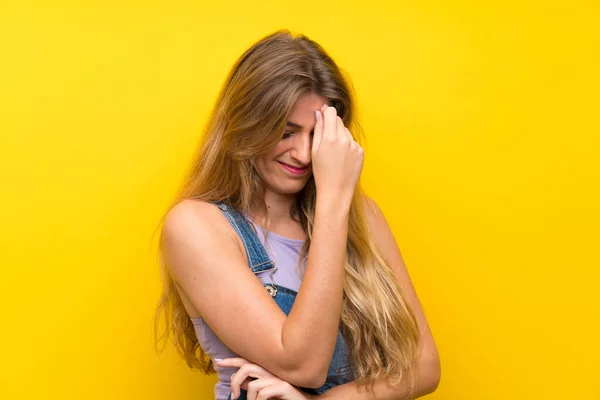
(482, 124)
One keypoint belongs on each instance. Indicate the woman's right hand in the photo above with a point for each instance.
(259, 383)
(337, 159)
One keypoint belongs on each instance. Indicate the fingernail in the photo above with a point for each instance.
(218, 359)
(317, 114)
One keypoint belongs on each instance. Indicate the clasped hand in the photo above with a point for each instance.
(259, 383)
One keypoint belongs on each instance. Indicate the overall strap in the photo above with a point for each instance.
(258, 259)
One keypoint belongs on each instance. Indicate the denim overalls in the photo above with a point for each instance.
(339, 370)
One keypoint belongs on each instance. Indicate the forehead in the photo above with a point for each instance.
(303, 111)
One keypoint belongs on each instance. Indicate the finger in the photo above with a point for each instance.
(247, 371)
(236, 390)
(257, 385)
(349, 134)
(246, 382)
(231, 362)
(318, 131)
(341, 129)
(330, 122)
(236, 382)
(277, 390)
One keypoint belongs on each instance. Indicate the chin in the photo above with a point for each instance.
(288, 187)
(291, 189)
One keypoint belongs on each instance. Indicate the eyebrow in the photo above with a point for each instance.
(295, 125)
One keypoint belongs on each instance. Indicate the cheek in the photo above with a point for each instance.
(260, 166)
(266, 162)
(264, 166)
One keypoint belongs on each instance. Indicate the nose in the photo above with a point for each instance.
(301, 150)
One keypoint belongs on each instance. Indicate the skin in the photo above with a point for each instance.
(197, 233)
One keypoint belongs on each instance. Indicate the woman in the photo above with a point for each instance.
(274, 195)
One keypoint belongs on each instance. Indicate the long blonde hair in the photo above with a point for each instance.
(248, 119)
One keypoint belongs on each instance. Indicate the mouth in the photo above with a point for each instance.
(292, 169)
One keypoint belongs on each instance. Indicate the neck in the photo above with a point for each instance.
(278, 208)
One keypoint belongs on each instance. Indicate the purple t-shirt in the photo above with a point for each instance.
(285, 253)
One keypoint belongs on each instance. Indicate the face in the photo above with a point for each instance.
(286, 167)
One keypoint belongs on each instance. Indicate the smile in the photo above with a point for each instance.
(293, 170)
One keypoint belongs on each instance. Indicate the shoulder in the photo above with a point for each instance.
(373, 212)
(195, 216)
(190, 209)
(196, 225)
(382, 234)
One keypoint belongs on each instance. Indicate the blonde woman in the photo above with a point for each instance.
(279, 273)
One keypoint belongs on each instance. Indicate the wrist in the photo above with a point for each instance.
(332, 204)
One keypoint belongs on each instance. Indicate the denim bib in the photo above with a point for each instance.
(339, 371)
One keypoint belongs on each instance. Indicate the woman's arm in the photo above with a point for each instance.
(429, 362)
(427, 382)
(205, 258)
(261, 383)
